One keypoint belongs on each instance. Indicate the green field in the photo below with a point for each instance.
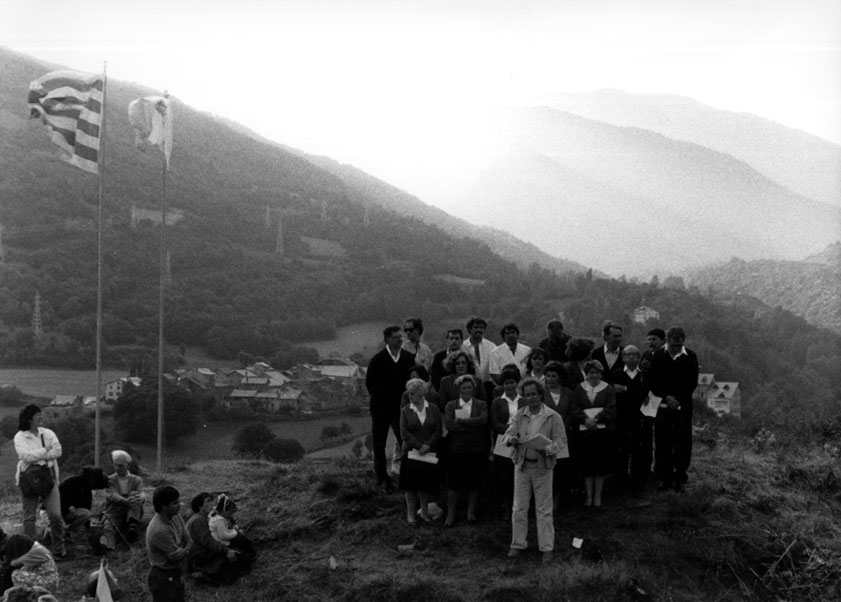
(49, 382)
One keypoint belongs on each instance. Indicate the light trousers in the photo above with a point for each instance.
(532, 478)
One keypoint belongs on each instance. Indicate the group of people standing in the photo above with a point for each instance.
(549, 420)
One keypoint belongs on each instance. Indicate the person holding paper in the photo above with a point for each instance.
(537, 437)
(420, 430)
(466, 419)
(559, 398)
(503, 410)
(673, 376)
(634, 431)
(594, 411)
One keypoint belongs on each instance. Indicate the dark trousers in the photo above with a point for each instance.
(379, 435)
(166, 585)
(672, 445)
(643, 451)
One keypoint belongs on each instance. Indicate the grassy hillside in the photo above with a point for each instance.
(754, 524)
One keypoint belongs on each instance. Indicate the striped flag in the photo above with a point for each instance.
(69, 104)
(151, 118)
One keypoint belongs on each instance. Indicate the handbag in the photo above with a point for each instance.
(37, 480)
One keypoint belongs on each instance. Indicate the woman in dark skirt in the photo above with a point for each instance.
(466, 419)
(420, 429)
(594, 413)
(503, 409)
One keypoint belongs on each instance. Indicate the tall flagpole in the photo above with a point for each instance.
(97, 436)
(161, 321)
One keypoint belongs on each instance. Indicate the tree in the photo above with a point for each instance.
(10, 396)
(136, 414)
(252, 439)
(329, 432)
(284, 450)
(9, 426)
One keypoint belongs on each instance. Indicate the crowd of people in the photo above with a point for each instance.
(518, 422)
(211, 544)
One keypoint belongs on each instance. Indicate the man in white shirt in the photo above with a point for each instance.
(511, 351)
(610, 354)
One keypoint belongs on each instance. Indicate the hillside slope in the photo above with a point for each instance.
(751, 526)
(810, 289)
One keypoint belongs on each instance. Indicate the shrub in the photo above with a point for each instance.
(252, 439)
(11, 396)
(9, 426)
(284, 450)
(136, 414)
(329, 432)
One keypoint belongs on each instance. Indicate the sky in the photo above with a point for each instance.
(399, 88)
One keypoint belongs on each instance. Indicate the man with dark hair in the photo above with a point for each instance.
(655, 339)
(455, 337)
(555, 344)
(478, 347)
(511, 351)
(610, 354)
(413, 328)
(673, 376)
(385, 380)
(76, 495)
(166, 546)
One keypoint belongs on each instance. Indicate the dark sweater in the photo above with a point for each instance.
(468, 435)
(386, 381)
(415, 434)
(676, 377)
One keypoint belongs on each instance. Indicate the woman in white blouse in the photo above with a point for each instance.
(594, 413)
(420, 430)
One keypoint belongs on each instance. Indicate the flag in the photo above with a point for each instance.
(103, 588)
(69, 104)
(151, 118)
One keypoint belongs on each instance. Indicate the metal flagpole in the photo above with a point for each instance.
(97, 423)
(161, 321)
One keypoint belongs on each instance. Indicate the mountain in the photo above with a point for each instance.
(634, 201)
(810, 288)
(801, 162)
(373, 192)
(232, 196)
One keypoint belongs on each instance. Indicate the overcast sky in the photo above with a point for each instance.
(379, 84)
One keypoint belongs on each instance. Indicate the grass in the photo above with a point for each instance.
(749, 527)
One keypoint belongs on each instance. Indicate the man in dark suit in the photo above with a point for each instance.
(609, 355)
(655, 339)
(455, 338)
(673, 375)
(634, 432)
(555, 344)
(388, 372)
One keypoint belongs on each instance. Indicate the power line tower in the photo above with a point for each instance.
(2, 252)
(279, 244)
(37, 327)
(168, 270)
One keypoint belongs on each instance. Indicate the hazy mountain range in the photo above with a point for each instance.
(635, 201)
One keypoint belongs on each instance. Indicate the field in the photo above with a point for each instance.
(752, 526)
(51, 382)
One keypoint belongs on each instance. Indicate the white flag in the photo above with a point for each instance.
(151, 118)
(103, 591)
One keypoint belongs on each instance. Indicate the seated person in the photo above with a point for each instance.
(76, 494)
(224, 528)
(208, 558)
(29, 563)
(123, 504)
(24, 593)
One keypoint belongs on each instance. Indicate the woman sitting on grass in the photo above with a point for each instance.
(30, 563)
(209, 559)
(224, 529)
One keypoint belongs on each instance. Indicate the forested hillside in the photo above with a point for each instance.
(810, 288)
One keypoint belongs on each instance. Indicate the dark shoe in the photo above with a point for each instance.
(387, 486)
(548, 557)
(514, 553)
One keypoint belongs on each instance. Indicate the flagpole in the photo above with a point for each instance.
(161, 320)
(97, 437)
